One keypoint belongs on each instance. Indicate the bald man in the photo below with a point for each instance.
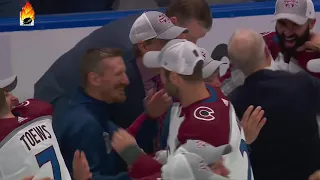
(289, 141)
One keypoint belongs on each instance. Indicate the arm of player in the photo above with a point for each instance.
(141, 164)
(140, 127)
(156, 104)
(92, 143)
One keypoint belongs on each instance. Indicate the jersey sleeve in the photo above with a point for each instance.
(33, 108)
(144, 166)
(140, 127)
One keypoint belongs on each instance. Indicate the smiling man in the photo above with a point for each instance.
(85, 122)
(294, 22)
(291, 45)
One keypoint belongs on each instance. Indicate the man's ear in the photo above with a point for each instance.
(174, 78)
(312, 23)
(174, 20)
(93, 78)
(267, 54)
(142, 48)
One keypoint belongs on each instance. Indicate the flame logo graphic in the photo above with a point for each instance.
(27, 14)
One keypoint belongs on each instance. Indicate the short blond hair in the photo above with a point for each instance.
(91, 61)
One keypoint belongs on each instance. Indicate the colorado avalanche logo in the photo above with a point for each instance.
(204, 113)
(25, 103)
(291, 3)
(162, 18)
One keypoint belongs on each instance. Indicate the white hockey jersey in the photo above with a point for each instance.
(28, 147)
(238, 161)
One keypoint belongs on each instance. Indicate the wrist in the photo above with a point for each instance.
(130, 154)
(149, 116)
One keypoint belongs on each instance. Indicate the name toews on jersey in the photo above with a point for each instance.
(238, 161)
(32, 149)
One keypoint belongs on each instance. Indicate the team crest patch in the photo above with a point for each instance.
(204, 113)
(162, 18)
(25, 103)
(107, 142)
(291, 3)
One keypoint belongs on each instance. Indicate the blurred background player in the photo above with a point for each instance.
(27, 142)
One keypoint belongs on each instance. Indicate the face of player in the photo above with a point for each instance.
(214, 80)
(291, 35)
(195, 31)
(113, 81)
(170, 88)
(11, 99)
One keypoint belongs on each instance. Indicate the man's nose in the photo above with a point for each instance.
(125, 80)
(288, 31)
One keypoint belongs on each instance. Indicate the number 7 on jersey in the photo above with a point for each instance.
(49, 155)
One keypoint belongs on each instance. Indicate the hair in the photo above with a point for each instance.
(3, 103)
(246, 49)
(185, 10)
(91, 61)
(196, 76)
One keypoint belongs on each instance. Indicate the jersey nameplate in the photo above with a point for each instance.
(35, 135)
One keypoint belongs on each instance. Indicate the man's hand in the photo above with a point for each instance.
(157, 103)
(219, 168)
(81, 169)
(315, 176)
(312, 45)
(121, 140)
(252, 121)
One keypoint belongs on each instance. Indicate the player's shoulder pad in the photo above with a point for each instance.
(216, 95)
(269, 36)
(34, 108)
